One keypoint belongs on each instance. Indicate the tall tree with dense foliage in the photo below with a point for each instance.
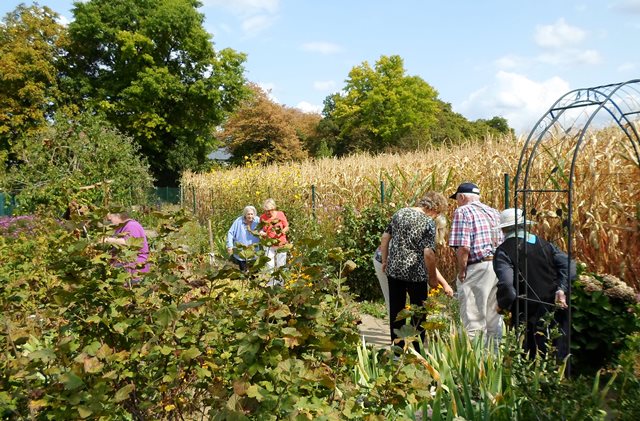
(382, 107)
(31, 46)
(150, 66)
(264, 131)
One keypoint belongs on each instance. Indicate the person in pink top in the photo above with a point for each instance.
(129, 228)
(274, 227)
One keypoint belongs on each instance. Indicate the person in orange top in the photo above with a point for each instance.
(274, 227)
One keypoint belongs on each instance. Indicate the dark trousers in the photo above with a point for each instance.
(537, 334)
(242, 264)
(398, 290)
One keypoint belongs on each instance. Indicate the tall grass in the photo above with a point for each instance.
(606, 216)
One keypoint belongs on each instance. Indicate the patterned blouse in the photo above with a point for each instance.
(411, 232)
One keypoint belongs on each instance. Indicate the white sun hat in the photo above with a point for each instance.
(511, 217)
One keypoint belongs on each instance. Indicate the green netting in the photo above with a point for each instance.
(7, 204)
(167, 194)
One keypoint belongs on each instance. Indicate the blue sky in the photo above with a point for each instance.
(493, 57)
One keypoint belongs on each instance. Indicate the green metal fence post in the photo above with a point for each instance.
(506, 190)
(313, 201)
(2, 204)
(382, 191)
(193, 192)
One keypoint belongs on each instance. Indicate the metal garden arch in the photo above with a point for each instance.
(565, 127)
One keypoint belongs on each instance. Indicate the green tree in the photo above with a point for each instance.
(31, 45)
(83, 158)
(498, 125)
(263, 131)
(382, 107)
(150, 66)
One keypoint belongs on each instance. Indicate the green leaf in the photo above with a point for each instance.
(255, 391)
(181, 332)
(123, 393)
(92, 365)
(190, 304)
(281, 312)
(71, 381)
(291, 331)
(44, 355)
(84, 412)
(120, 327)
(166, 315)
(92, 348)
(190, 354)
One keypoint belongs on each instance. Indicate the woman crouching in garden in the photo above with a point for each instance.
(126, 228)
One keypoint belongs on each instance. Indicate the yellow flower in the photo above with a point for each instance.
(169, 407)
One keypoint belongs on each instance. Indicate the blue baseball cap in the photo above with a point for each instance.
(466, 188)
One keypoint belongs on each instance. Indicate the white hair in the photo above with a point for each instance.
(246, 210)
(269, 203)
(471, 196)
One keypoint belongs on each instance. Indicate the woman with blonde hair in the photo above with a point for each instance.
(275, 228)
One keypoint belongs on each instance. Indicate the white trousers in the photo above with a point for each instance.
(477, 296)
(276, 259)
(384, 282)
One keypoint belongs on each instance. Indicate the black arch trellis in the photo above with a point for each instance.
(571, 117)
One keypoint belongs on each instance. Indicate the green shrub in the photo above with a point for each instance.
(78, 343)
(359, 235)
(85, 159)
(604, 313)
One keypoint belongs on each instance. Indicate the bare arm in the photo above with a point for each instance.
(430, 264)
(384, 249)
(462, 256)
(444, 284)
(115, 240)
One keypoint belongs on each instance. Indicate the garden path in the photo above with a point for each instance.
(374, 330)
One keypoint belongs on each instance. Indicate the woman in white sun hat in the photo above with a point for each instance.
(544, 272)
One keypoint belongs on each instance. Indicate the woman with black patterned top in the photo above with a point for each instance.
(408, 257)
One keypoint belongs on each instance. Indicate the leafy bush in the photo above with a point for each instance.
(604, 313)
(359, 235)
(625, 398)
(78, 343)
(84, 159)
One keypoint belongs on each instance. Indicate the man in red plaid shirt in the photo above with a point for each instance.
(474, 236)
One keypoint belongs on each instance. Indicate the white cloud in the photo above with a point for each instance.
(255, 15)
(324, 85)
(255, 24)
(268, 88)
(570, 56)
(558, 35)
(322, 47)
(309, 108)
(245, 7)
(63, 20)
(627, 67)
(510, 62)
(627, 6)
(515, 97)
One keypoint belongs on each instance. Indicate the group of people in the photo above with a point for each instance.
(490, 249)
(247, 230)
(496, 259)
